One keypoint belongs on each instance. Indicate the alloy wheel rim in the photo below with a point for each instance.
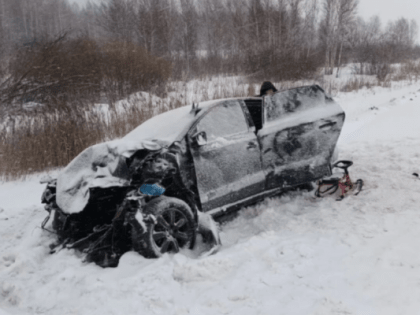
(170, 231)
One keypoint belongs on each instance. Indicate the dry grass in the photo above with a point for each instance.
(47, 141)
(408, 71)
(355, 84)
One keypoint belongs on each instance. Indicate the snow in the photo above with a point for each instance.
(168, 126)
(287, 255)
(163, 126)
(306, 116)
(140, 220)
(100, 165)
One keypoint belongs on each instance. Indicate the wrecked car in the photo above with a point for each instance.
(166, 181)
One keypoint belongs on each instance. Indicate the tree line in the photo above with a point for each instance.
(109, 46)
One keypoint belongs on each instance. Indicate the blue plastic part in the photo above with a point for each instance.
(152, 189)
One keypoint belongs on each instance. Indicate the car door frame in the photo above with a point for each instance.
(216, 199)
(283, 175)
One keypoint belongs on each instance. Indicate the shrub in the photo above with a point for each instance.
(64, 70)
(269, 65)
(381, 70)
(409, 70)
(355, 83)
(129, 68)
(52, 71)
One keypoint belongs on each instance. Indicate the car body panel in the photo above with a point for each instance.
(228, 167)
(300, 131)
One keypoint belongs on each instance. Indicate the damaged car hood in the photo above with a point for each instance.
(103, 165)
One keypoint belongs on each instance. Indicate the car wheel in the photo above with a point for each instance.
(174, 227)
(58, 224)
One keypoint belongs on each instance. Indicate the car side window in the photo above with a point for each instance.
(223, 120)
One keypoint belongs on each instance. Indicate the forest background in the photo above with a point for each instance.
(59, 60)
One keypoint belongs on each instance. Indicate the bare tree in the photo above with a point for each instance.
(339, 15)
(154, 25)
(116, 17)
(364, 39)
(187, 30)
(413, 32)
(309, 35)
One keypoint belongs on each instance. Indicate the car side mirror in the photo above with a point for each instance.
(200, 138)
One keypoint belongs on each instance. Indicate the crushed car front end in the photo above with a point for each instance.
(127, 194)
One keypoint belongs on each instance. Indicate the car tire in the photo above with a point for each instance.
(58, 224)
(172, 228)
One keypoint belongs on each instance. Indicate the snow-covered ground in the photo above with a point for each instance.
(287, 255)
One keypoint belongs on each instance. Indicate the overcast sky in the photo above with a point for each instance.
(387, 10)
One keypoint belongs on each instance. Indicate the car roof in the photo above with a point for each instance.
(172, 125)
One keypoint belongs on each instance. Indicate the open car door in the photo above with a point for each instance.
(301, 128)
(226, 154)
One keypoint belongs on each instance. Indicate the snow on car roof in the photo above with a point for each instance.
(169, 126)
